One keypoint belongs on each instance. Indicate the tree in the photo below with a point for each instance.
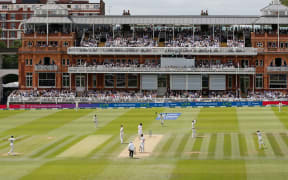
(17, 44)
(2, 44)
(284, 2)
(10, 62)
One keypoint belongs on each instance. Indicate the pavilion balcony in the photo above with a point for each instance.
(46, 68)
(162, 51)
(159, 70)
(277, 69)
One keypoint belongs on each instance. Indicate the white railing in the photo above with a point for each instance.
(277, 69)
(61, 100)
(161, 70)
(162, 51)
(46, 68)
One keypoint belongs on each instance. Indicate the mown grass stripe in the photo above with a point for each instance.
(204, 148)
(219, 153)
(260, 152)
(284, 138)
(182, 145)
(212, 145)
(242, 145)
(92, 153)
(275, 146)
(251, 148)
(173, 148)
(48, 123)
(157, 150)
(197, 146)
(227, 145)
(51, 146)
(4, 115)
(235, 146)
(67, 146)
(167, 145)
(282, 144)
(188, 148)
(268, 147)
(110, 151)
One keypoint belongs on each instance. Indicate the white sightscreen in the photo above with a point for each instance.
(149, 82)
(217, 82)
(178, 82)
(194, 82)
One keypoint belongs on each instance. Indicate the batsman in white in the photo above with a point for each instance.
(142, 141)
(260, 139)
(11, 140)
(140, 130)
(95, 120)
(121, 133)
(193, 129)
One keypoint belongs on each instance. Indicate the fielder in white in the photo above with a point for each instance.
(95, 120)
(142, 141)
(193, 129)
(280, 107)
(140, 130)
(121, 133)
(260, 139)
(11, 140)
(162, 119)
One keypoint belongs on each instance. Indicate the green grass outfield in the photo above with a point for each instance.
(55, 144)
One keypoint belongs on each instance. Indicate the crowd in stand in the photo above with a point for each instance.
(268, 95)
(239, 43)
(142, 39)
(133, 96)
(90, 42)
(130, 42)
(190, 41)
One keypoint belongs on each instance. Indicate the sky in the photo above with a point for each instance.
(185, 7)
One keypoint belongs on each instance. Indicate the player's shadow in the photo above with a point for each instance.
(199, 137)
(134, 158)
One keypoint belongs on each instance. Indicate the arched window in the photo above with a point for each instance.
(278, 62)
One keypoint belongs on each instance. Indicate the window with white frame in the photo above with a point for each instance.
(80, 81)
(13, 34)
(12, 16)
(66, 80)
(13, 26)
(29, 79)
(47, 80)
(259, 81)
(30, 43)
(3, 34)
(259, 44)
(278, 81)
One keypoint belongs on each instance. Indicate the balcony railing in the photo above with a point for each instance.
(161, 70)
(277, 69)
(162, 51)
(46, 68)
